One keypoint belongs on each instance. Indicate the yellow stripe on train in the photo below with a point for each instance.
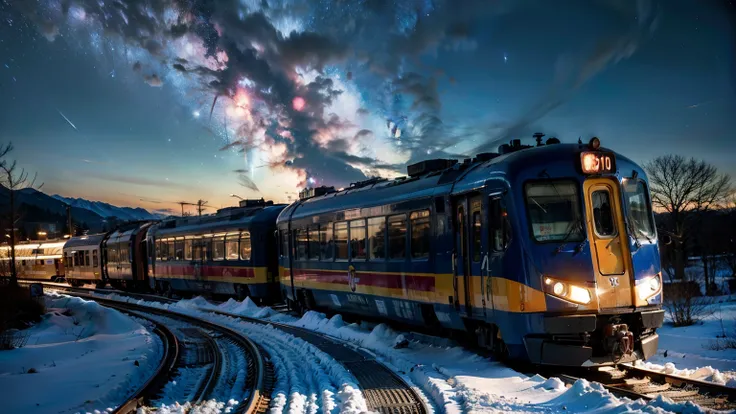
(500, 293)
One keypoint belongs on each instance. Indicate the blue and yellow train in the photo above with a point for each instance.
(546, 254)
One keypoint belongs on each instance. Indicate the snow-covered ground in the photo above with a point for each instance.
(696, 351)
(81, 357)
(453, 379)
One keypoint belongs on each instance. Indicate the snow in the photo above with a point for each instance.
(690, 350)
(455, 380)
(307, 379)
(84, 356)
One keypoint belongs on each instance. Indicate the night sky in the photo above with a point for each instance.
(113, 100)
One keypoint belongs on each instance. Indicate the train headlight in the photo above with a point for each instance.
(568, 291)
(649, 287)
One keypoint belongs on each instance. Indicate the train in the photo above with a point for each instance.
(545, 253)
(35, 260)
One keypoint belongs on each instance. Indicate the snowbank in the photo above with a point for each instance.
(81, 357)
(452, 378)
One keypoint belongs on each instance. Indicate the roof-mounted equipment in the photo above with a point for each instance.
(315, 192)
(427, 166)
(251, 202)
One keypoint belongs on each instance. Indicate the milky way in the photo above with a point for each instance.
(331, 91)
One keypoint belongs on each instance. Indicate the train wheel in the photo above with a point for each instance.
(242, 292)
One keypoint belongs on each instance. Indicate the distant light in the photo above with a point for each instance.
(196, 114)
(298, 103)
(41, 233)
(311, 180)
(66, 236)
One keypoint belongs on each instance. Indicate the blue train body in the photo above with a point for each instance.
(548, 254)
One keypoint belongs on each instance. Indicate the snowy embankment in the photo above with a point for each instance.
(307, 379)
(699, 351)
(81, 357)
(454, 379)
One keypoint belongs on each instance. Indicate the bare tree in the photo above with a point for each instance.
(14, 180)
(681, 187)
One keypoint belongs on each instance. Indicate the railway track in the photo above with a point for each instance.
(384, 391)
(635, 383)
(211, 348)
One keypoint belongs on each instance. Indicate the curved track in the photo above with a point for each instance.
(169, 359)
(211, 339)
(383, 390)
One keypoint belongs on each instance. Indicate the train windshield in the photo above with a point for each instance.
(639, 208)
(554, 211)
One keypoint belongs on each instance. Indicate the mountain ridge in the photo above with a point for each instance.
(107, 210)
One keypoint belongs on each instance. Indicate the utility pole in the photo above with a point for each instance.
(201, 204)
(69, 220)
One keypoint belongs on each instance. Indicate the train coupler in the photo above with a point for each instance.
(618, 341)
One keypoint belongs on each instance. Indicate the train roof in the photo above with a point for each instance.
(448, 177)
(87, 240)
(35, 245)
(222, 221)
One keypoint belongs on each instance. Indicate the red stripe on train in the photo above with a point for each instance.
(208, 271)
(383, 280)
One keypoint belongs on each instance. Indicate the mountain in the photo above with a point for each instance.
(106, 210)
(48, 209)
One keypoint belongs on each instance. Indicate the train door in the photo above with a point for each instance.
(475, 252)
(461, 258)
(607, 239)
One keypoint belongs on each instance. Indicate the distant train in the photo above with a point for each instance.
(544, 253)
(38, 260)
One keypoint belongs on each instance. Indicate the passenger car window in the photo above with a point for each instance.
(341, 240)
(314, 243)
(245, 247)
(500, 228)
(302, 243)
(188, 249)
(231, 247)
(357, 239)
(218, 248)
(377, 238)
(420, 234)
(397, 236)
(326, 244)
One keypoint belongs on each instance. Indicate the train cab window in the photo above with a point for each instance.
(187, 249)
(420, 235)
(554, 211)
(639, 208)
(314, 243)
(95, 260)
(500, 228)
(341, 240)
(397, 236)
(326, 245)
(231, 247)
(302, 244)
(377, 238)
(245, 248)
(603, 213)
(477, 235)
(86, 258)
(357, 239)
(218, 248)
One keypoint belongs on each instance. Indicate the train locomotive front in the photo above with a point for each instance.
(544, 254)
(591, 290)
